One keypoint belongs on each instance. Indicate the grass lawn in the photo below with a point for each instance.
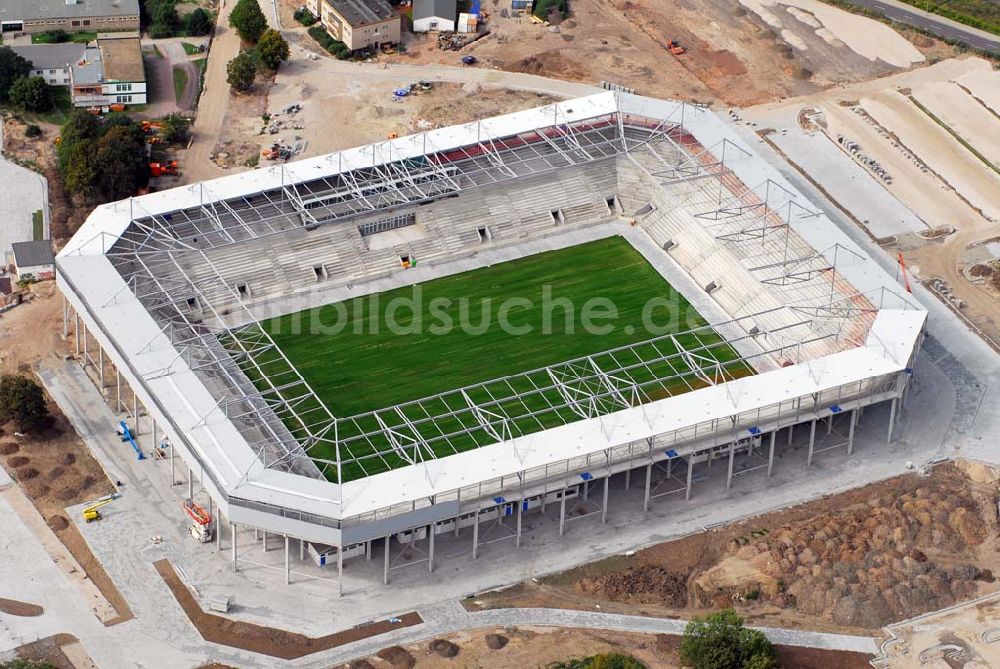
(180, 82)
(62, 106)
(355, 368)
(37, 226)
(190, 49)
(982, 14)
(81, 37)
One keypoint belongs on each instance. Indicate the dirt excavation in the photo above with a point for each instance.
(736, 54)
(852, 562)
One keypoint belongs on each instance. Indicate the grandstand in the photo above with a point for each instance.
(177, 292)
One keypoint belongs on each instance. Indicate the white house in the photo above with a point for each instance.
(33, 259)
(434, 15)
(110, 72)
(52, 62)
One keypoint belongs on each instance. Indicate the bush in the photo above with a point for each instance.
(32, 131)
(720, 641)
(23, 402)
(176, 129)
(248, 21)
(161, 30)
(52, 37)
(31, 94)
(304, 16)
(241, 72)
(331, 45)
(199, 22)
(601, 661)
(542, 8)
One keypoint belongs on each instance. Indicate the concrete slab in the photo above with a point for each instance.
(24, 192)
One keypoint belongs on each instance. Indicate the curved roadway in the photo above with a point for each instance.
(939, 25)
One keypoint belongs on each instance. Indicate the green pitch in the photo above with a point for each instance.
(409, 343)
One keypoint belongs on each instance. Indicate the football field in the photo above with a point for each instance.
(486, 325)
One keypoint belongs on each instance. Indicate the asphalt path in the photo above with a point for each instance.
(939, 25)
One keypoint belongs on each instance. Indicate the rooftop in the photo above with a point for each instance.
(31, 254)
(29, 10)
(88, 69)
(424, 9)
(122, 59)
(362, 12)
(50, 56)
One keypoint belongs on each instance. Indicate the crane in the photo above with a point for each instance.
(91, 513)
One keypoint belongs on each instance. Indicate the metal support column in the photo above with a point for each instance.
(812, 442)
(649, 476)
(687, 493)
(340, 571)
(100, 371)
(850, 433)
(475, 535)
(770, 455)
(368, 547)
(65, 317)
(829, 424)
(604, 502)
(562, 513)
(219, 526)
(628, 479)
(173, 479)
(264, 542)
(302, 550)
(729, 471)
(520, 507)
(232, 531)
(76, 332)
(892, 419)
(135, 413)
(791, 431)
(118, 391)
(385, 569)
(430, 547)
(288, 564)
(190, 484)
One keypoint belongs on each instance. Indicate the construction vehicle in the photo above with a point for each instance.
(151, 127)
(91, 513)
(675, 48)
(537, 21)
(201, 521)
(165, 169)
(392, 135)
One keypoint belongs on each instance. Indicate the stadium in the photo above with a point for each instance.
(240, 318)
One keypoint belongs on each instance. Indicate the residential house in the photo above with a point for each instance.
(52, 62)
(358, 23)
(111, 72)
(34, 260)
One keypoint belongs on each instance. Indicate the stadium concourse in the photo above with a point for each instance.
(172, 295)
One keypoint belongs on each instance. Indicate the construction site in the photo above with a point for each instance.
(809, 442)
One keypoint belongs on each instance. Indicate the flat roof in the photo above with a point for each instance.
(362, 12)
(31, 10)
(122, 59)
(88, 69)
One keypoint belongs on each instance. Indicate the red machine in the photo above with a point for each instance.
(201, 521)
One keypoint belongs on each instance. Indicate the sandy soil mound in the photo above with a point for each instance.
(645, 583)
(496, 641)
(18, 461)
(58, 523)
(9, 448)
(443, 647)
(25, 474)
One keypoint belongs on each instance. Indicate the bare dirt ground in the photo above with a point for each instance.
(56, 469)
(13, 607)
(56, 650)
(849, 563)
(361, 114)
(733, 56)
(530, 647)
(941, 180)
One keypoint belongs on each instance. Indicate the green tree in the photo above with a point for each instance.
(247, 20)
(241, 72)
(176, 129)
(120, 162)
(31, 94)
(273, 49)
(12, 68)
(720, 641)
(199, 22)
(23, 402)
(165, 13)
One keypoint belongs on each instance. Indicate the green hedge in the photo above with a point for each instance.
(333, 46)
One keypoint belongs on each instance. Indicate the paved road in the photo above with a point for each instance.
(939, 25)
